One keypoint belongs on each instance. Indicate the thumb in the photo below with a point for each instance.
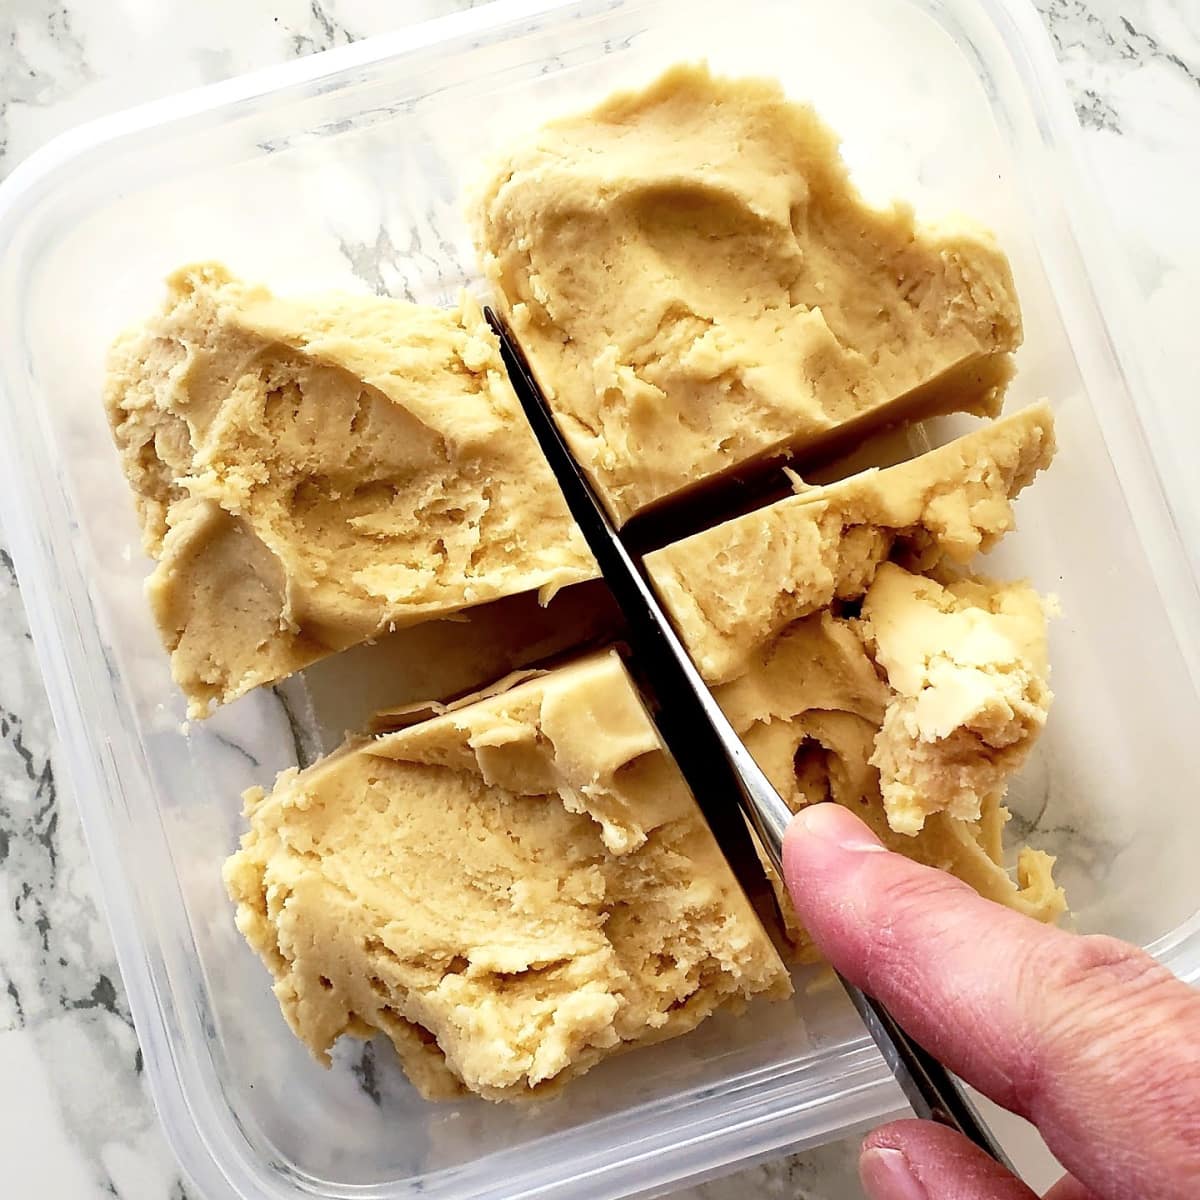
(918, 1160)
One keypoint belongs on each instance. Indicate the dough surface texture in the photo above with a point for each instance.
(511, 891)
(313, 472)
(698, 283)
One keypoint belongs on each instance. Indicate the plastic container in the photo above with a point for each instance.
(347, 169)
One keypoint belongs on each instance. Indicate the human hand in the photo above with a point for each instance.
(1086, 1037)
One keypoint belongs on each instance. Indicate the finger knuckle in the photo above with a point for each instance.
(1096, 992)
(1094, 964)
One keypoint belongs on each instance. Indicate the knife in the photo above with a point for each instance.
(710, 755)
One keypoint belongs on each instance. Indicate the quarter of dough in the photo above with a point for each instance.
(810, 706)
(511, 891)
(967, 665)
(311, 473)
(734, 585)
(698, 284)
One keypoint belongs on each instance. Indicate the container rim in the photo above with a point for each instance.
(208, 1148)
(90, 135)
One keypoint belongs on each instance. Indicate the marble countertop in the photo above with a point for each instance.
(76, 1121)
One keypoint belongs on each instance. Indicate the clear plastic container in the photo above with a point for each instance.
(348, 169)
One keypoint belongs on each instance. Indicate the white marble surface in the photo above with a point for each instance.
(75, 1118)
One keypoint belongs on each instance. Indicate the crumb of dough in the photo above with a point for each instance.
(809, 707)
(698, 285)
(735, 584)
(510, 891)
(966, 662)
(313, 472)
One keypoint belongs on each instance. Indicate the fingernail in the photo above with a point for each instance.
(832, 823)
(886, 1175)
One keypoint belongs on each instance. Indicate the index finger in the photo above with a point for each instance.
(1087, 1037)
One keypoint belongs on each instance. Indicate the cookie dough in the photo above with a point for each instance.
(698, 283)
(967, 666)
(731, 586)
(311, 473)
(810, 706)
(511, 891)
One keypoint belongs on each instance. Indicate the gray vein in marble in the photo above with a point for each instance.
(1141, 45)
(1088, 36)
(58, 976)
(369, 261)
(302, 726)
(41, 58)
(364, 1070)
(247, 755)
(392, 270)
(1105, 34)
(324, 33)
(1095, 112)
